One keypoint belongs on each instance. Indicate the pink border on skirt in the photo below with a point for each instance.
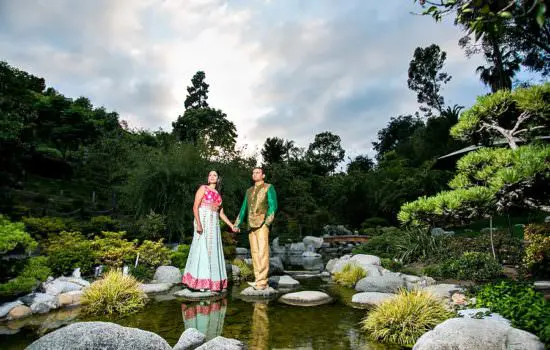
(203, 283)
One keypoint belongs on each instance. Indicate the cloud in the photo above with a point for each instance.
(277, 68)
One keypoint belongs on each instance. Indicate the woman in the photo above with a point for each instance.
(205, 267)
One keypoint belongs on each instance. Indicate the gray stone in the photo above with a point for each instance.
(316, 242)
(542, 285)
(277, 249)
(330, 264)
(6, 307)
(168, 274)
(79, 281)
(262, 293)
(371, 298)
(221, 343)
(383, 284)
(40, 302)
(99, 335)
(155, 287)
(310, 255)
(241, 251)
(443, 291)
(190, 339)
(276, 266)
(365, 259)
(468, 333)
(283, 282)
(297, 248)
(547, 219)
(483, 313)
(196, 295)
(306, 298)
(57, 287)
(76, 273)
(235, 271)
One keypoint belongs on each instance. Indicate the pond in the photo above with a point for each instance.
(261, 325)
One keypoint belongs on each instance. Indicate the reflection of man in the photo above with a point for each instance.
(259, 207)
(259, 330)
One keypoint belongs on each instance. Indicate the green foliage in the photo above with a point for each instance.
(113, 295)
(474, 266)
(375, 222)
(13, 237)
(391, 264)
(325, 153)
(35, 271)
(381, 245)
(112, 250)
(179, 257)
(69, 250)
(152, 226)
(350, 275)
(521, 304)
(404, 318)
(44, 226)
(153, 254)
(537, 252)
(247, 273)
(103, 223)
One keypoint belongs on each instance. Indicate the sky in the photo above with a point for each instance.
(285, 68)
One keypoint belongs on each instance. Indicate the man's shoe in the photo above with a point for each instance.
(252, 284)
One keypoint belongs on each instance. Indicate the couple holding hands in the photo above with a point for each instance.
(205, 268)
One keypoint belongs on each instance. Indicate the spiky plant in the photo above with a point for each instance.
(349, 276)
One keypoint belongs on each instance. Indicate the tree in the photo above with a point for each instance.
(277, 150)
(426, 79)
(325, 152)
(499, 77)
(397, 134)
(361, 163)
(198, 92)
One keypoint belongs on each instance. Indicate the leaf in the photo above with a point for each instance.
(506, 14)
(541, 14)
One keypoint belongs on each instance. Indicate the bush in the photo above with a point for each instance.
(36, 271)
(537, 252)
(179, 257)
(473, 266)
(247, 273)
(404, 318)
(114, 294)
(381, 244)
(391, 264)
(153, 254)
(113, 250)
(69, 250)
(521, 304)
(374, 222)
(103, 223)
(349, 276)
(152, 226)
(13, 237)
(45, 226)
(142, 272)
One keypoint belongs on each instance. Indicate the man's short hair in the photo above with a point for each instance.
(260, 168)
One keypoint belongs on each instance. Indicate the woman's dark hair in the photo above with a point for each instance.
(218, 184)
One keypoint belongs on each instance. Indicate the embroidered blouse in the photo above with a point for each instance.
(211, 198)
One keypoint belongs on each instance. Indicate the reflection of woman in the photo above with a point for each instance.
(205, 268)
(206, 317)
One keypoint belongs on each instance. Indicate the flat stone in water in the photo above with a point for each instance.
(197, 295)
(155, 287)
(306, 298)
(260, 293)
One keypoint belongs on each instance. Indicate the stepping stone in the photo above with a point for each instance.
(155, 287)
(197, 295)
(371, 298)
(264, 293)
(443, 291)
(283, 282)
(306, 298)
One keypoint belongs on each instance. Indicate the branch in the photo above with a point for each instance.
(506, 133)
(523, 117)
(529, 129)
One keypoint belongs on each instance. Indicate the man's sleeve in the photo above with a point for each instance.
(271, 205)
(242, 213)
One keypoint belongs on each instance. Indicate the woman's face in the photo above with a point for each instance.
(212, 177)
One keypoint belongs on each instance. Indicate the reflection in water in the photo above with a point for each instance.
(259, 337)
(299, 262)
(207, 317)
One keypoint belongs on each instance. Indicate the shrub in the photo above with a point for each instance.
(13, 237)
(151, 256)
(382, 245)
(349, 276)
(113, 250)
(473, 266)
(537, 252)
(374, 222)
(391, 264)
(103, 223)
(247, 274)
(404, 318)
(36, 271)
(69, 250)
(521, 304)
(45, 226)
(152, 226)
(179, 257)
(114, 294)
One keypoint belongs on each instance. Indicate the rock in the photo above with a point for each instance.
(19, 311)
(383, 284)
(76, 273)
(6, 307)
(190, 339)
(371, 298)
(547, 219)
(264, 293)
(235, 271)
(468, 333)
(221, 343)
(297, 248)
(330, 264)
(69, 298)
(365, 259)
(443, 291)
(168, 274)
(283, 282)
(306, 298)
(310, 255)
(542, 285)
(195, 295)
(40, 302)
(483, 313)
(99, 335)
(155, 287)
(316, 242)
(276, 266)
(337, 230)
(58, 286)
(241, 251)
(411, 278)
(81, 282)
(277, 249)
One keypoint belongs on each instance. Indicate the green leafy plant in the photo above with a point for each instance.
(35, 271)
(103, 223)
(69, 250)
(391, 264)
(537, 252)
(473, 266)
(14, 237)
(247, 274)
(349, 276)
(404, 318)
(521, 304)
(115, 294)
(179, 256)
(112, 250)
(45, 226)
(152, 226)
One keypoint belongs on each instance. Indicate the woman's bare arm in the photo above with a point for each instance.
(198, 199)
(226, 220)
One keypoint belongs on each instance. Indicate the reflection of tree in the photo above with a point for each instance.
(259, 335)
(207, 317)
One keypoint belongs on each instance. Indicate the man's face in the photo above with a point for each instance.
(257, 175)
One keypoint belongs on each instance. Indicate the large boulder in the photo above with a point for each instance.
(297, 248)
(306, 298)
(99, 335)
(469, 333)
(483, 313)
(190, 339)
(58, 286)
(277, 249)
(168, 274)
(70, 298)
(221, 343)
(371, 298)
(6, 307)
(315, 242)
(365, 259)
(241, 251)
(276, 266)
(388, 283)
(40, 302)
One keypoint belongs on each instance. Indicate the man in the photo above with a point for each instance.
(258, 209)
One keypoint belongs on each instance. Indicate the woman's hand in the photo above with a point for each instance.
(199, 228)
